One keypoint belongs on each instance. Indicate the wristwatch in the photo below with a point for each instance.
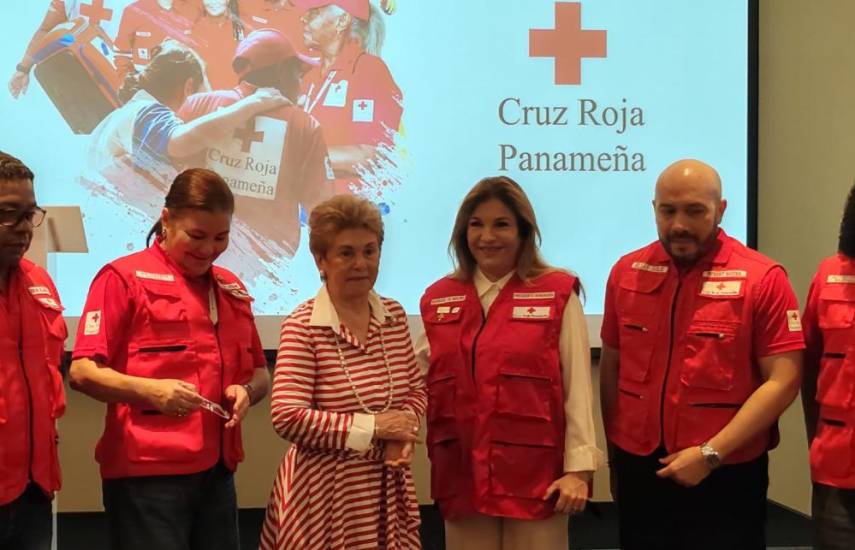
(710, 456)
(248, 388)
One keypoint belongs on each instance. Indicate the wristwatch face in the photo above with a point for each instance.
(710, 456)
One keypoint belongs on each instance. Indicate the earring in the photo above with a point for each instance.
(323, 276)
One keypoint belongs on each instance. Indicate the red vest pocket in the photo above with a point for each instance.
(636, 348)
(156, 437)
(836, 306)
(441, 394)
(524, 394)
(710, 355)
(697, 422)
(835, 385)
(521, 471)
(833, 449)
(630, 416)
(446, 459)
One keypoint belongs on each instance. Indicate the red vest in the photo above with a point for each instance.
(686, 359)
(495, 396)
(832, 452)
(28, 418)
(168, 339)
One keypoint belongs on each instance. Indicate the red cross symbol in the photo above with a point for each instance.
(795, 315)
(96, 12)
(362, 105)
(531, 310)
(721, 286)
(96, 317)
(248, 136)
(567, 43)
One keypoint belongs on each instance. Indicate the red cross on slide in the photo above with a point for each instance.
(248, 136)
(96, 12)
(362, 105)
(567, 43)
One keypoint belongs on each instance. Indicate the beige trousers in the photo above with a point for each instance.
(479, 532)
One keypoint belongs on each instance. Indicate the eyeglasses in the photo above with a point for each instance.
(11, 218)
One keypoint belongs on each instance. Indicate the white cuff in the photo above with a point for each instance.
(361, 432)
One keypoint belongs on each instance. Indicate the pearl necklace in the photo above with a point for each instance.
(391, 388)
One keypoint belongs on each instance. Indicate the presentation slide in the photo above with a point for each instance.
(406, 102)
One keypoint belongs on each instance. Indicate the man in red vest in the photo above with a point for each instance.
(32, 333)
(828, 390)
(701, 353)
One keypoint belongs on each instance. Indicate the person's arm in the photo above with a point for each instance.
(97, 380)
(295, 417)
(813, 354)
(192, 137)
(777, 341)
(20, 80)
(782, 375)
(581, 455)
(240, 397)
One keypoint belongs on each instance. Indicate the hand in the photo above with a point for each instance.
(266, 99)
(173, 397)
(396, 425)
(389, 6)
(398, 454)
(238, 397)
(19, 83)
(687, 467)
(572, 489)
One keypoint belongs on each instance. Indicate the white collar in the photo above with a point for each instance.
(325, 315)
(484, 285)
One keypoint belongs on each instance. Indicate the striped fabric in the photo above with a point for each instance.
(325, 495)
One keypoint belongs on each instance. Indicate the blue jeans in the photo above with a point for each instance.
(26, 523)
(182, 512)
(833, 513)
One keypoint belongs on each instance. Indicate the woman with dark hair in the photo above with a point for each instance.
(168, 341)
(828, 390)
(132, 150)
(216, 35)
(510, 421)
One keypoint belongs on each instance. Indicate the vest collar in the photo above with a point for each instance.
(483, 285)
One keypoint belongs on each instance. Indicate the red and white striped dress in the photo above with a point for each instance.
(327, 496)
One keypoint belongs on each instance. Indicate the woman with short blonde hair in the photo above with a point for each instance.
(348, 395)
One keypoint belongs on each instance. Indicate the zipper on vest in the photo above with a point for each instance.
(475, 340)
(668, 364)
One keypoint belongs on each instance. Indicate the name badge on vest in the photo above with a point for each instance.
(36, 290)
(163, 277)
(722, 289)
(534, 295)
(445, 314)
(726, 274)
(447, 300)
(336, 95)
(845, 279)
(642, 266)
(533, 313)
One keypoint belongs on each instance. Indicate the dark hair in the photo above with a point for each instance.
(530, 263)
(196, 189)
(284, 76)
(172, 63)
(12, 169)
(846, 241)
